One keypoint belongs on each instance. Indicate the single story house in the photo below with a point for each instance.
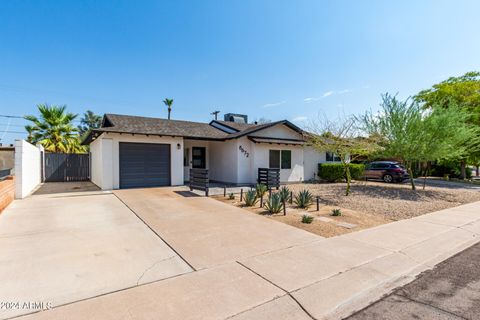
(131, 151)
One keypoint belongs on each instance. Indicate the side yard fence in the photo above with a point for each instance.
(7, 188)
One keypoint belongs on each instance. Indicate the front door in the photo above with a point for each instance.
(199, 160)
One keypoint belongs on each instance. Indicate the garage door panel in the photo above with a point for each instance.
(144, 165)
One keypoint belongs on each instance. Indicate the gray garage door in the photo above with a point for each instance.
(144, 165)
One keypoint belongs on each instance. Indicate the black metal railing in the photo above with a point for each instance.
(199, 180)
(269, 177)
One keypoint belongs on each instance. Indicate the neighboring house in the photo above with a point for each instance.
(130, 151)
(7, 157)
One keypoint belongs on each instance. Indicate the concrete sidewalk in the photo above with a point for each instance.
(449, 291)
(323, 279)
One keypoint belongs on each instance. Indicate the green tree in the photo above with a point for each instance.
(342, 137)
(168, 102)
(410, 133)
(89, 121)
(459, 92)
(54, 130)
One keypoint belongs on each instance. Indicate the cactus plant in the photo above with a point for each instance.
(336, 212)
(274, 204)
(250, 198)
(284, 193)
(304, 199)
(307, 219)
(261, 189)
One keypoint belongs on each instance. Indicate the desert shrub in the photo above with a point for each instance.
(261, 189)
(332, 172)
(303, 199)
(284, 193)
(274, 204)
(250, 198)
(307, 219)
(231, 196)
(357, 170)
(336, 212)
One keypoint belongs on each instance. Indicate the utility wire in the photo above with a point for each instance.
(16, 131)
(6, 129)
(7, 116)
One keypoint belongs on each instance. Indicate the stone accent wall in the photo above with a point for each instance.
(7, 192)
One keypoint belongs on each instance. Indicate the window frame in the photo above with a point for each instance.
(331, 157)
(270, 158)
(281, 165)
(282, 159)
(186, 157)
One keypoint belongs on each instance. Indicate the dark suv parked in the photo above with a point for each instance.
(388, 171)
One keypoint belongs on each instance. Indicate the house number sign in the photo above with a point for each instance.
(245, 153)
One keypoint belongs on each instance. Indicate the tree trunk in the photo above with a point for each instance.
(463, 170)
(478, 170)
(348, 176)
(169, 110)
(424, 178)
(410, 173)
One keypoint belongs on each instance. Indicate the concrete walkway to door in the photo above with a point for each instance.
(249, 267)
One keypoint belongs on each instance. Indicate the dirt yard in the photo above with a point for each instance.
(369, 204)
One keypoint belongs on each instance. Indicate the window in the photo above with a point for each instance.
(274, 161)
(280, 159)
(186, 157)
(332, 157)
(286, 159)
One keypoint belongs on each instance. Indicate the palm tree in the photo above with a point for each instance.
(168, 103)
(54, 130)
(90, 120)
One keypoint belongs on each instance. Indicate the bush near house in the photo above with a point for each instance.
(452, 169)
(332, 172)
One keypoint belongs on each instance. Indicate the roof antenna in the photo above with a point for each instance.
(215, 113)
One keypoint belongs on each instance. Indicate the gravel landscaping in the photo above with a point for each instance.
(392, 201)
(369, 204)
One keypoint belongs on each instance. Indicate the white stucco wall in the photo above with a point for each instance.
(27, 168)
(106, 156)
(279, 131)
(96, 162)
(262, 157)
(223, 161)
(246, 172)
(311, 160)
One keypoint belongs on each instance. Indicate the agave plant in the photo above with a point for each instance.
(336, 212)
(304, 199)
(261, 189)
(274, 204)
(284, 193)
(307, 219)
(250, 198)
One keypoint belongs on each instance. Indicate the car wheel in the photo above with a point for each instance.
(388, 178)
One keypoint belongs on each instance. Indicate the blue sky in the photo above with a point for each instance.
(272, 59)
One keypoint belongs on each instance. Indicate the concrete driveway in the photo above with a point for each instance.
(171, 255)
(206, 232)
(57, 249)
